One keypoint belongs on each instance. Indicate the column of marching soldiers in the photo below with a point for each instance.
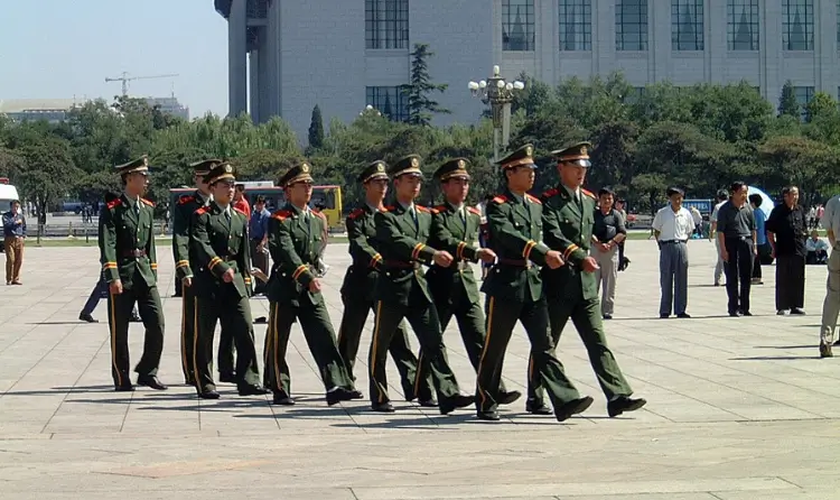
(542, 275)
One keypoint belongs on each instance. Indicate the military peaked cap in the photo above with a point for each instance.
(204, 166)
(523, 156)
(577, 153)
(376, 170)
(407, 165)
(455, 168)
(299, 173)
(139, 165)
(220, 172)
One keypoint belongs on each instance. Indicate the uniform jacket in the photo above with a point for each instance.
(402, 243)
(220, 245)
(460, 238)
(567, 228)
(127, 242)
(515, 226)
(363, 273)
(185, 258)
(294, 245)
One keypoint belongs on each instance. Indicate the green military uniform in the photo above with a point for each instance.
(185, 261)
(357, 295)
(402, 292)
(514, 291)
(294, 239)
(568, 220)
(454, 288)
(219, 239)
(127, 254)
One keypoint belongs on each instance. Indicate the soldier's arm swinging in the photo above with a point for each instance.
(284, 254)
(244, 259)
(407, 248)
(150, 247)
(181, 242)
(360, 249)
(200, 241)
(108, 245)
(504, 234)
(459, 249)
(554, 238)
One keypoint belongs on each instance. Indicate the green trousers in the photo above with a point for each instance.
(423, 318)
(318, 332)
(188, 320)
(234, 315)
(350, 333)
(586, 316)
(544, 366)
(225, 357)
(119, 312)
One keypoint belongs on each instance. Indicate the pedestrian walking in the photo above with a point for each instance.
(787, 231)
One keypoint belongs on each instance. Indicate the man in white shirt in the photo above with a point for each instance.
(831, 305)
(722, 197)
(672, 226)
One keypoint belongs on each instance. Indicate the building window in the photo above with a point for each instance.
(575, 24)
(803, 95)
(838, 23)
(518, 25)
(390, 101)
(742, 24)
(386, 24)
(798, 24)
(631, 25)
(687, 25)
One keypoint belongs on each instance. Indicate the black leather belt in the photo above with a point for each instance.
(670, 242)
(526, 264)
(398, 264)
(136, 253)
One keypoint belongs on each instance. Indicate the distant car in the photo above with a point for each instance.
(72, 206)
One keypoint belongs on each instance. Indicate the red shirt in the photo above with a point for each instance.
(244, 206)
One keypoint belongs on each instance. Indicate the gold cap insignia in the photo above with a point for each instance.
(529, 150)
(583, 150)
(304, 168)
(415, 162)
(462, 164)
(380, 167)
(228, 169)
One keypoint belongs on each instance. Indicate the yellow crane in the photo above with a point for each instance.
(125, 79)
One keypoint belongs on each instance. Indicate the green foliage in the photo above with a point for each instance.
(316, 129)
(421, 106)
(788, 105)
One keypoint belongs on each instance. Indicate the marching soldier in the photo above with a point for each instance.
(455, 228)
(185, 260)
(514, 290)
(294, 293)
(222, 281)
(401, 234)
(127, 253)
(357, 292)
(568, 220)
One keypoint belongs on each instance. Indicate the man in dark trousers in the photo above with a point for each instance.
(736, 232)
(787, 232)
(129, 262)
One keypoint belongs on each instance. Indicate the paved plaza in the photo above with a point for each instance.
(738, 408)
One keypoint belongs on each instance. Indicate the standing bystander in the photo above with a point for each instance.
(831, 305)
(787, 232)
(672, 226)
(258, 231)
(719, 264)
(736, 234)
(608, 233)
(14, 231)
(760, 237)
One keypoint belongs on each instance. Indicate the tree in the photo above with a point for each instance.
(420, 105)
(788, 105)
(316, 129)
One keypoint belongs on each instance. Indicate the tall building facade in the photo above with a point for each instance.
(286, 56)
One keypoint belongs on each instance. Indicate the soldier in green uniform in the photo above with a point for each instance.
(294, 293)
(185, 260)
(514, 291)
(455, 229)
(402, 292)
(360, 283)
(129, 262)
(568, 219)
(222, 281)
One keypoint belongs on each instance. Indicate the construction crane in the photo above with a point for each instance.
(125, 79)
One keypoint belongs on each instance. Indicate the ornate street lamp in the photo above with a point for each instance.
(498, 93)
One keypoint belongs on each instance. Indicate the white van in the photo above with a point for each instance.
(7, 194)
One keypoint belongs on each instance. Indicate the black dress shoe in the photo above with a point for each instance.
(797, 311)
(87, 318)
(354, 394)
(260, 320)
(537, 408)
(382, 407)
(573, 407)
(228, 378)
(506, 398)
(135, 319)
(746, 313)
(428, 403)
(460, 401)
(664, 316)
(153, 382)
(735, 314)
(338, 395)
(282, 399)
(825, 351)
(124, 388)
(622, 404)
(252, 390)
(491, 415)
(683, 315)
(209, 394)
(608, 316)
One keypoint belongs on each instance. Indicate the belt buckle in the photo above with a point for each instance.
(138, 253)
(527, 264)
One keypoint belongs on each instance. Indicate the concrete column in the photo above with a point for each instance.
(825, 53)
(254, 85)
(237, 62)
(771, 51)
(659, 46)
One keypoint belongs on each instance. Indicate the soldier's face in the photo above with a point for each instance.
(408, 186)
(222, 192)
(376, 189)
(300, 193)
(137, 182)
(521, 178)
(456, 190)
(572, 174)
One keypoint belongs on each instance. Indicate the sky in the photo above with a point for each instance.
(53, 49)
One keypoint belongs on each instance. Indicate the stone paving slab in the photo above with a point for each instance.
(738, 408)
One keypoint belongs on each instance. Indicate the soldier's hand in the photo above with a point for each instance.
(724, 255)
(228, 276)
(443, 258)
(589, 265)
(187, 281)
(116, 287)
(315, 286)
(554, 260)
(487, 255)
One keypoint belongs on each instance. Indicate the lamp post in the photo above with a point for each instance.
(498, 93)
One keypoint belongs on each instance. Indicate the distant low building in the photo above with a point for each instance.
(56, 110)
